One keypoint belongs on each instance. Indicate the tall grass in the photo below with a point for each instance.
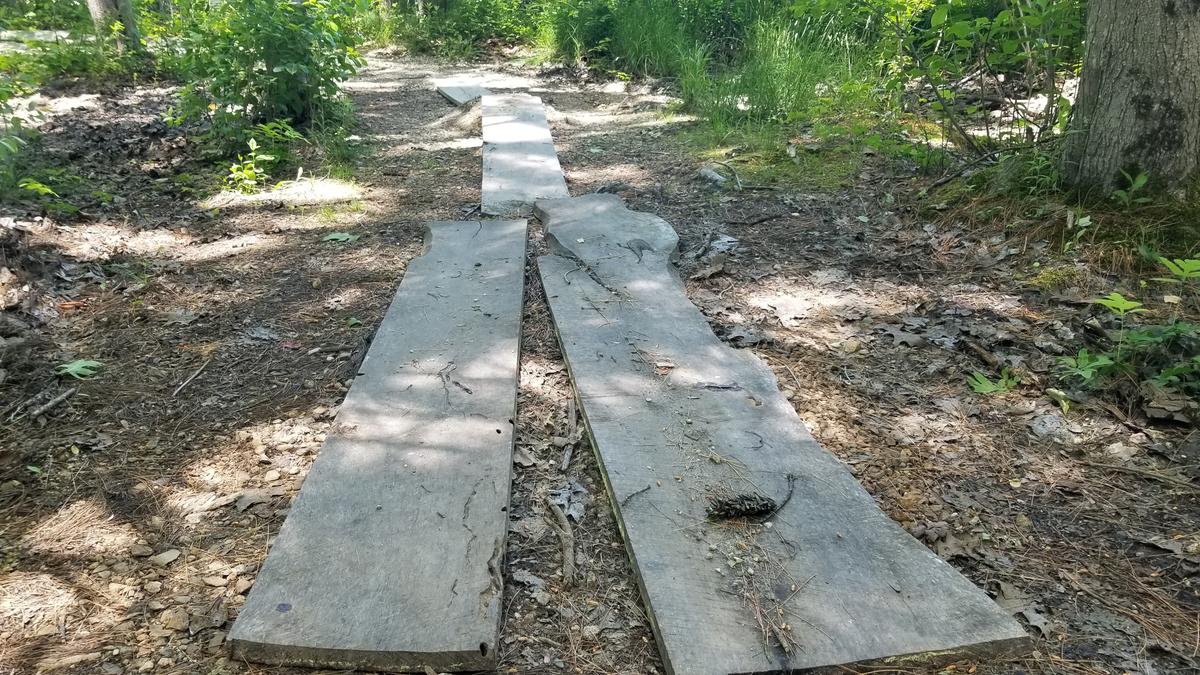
(785, 72)
(648, 38)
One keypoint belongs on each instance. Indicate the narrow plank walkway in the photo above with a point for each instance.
(691, 432)
(390, 557)
(520, 165)
(462, 94)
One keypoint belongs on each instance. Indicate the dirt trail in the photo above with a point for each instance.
(228, 338)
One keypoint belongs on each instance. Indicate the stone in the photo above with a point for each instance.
(166, 557)
(175, 618)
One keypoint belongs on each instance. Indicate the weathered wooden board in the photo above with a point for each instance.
(462, 94)
(390, 557)
(519, 162)
(681, 421)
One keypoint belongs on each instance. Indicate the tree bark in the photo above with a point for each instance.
(105, 12)
(1138, 108)
(125, 10)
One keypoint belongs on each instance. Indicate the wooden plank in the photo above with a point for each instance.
(682, 423)
(390, 556)
(519, 162)
(462, 94)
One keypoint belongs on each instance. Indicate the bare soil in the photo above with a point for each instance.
(137, 505)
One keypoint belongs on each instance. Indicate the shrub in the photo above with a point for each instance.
(260, 60)
(44, 15)
(12, 130)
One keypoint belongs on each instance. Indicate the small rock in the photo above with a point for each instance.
(271, 476)
(141, 551)
(175, 618)
(1046, 425)
(152, 586)
(242, 585)
(852, 346)
(1120, 451)
(709, 173)
(215, 581)
(166, 557)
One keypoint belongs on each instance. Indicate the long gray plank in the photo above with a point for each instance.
(390, 556)
(461, 94)
(681, 423)
(520, 165)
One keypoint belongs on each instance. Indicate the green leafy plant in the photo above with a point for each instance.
(1078, 226)
(248, 173)
(80, 369)
(36, 187)
(1183, 270)
(1127, 197)
(1119, 305)
(1184, 375)
(981, 384)
(1085, 366)
(341, 237)
(257, 61)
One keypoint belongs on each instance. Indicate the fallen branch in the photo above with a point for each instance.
(572, 436)
(738, 179)
(563, 528)
(189, 380)
(1145, 473)
(53, 403)
(757, 221)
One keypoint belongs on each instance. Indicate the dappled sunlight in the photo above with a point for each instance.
(610, 173)
(34, 603)
(83, 528)
(228, 247)
(101, 241)
(302, 192)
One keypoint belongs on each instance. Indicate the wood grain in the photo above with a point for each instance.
(678, 420)
(390, 557)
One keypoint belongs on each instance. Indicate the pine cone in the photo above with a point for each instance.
(741, 506)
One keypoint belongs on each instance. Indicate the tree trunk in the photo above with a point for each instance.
(1138, 108)
(125, 10)
(105, 12)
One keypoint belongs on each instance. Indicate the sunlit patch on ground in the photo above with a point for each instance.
(302, 192)
(34, 604)
(84, 528)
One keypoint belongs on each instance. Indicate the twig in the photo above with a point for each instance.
(791, 479)
(52, 403)
(981, 159)
(757, 221)
(986, 356)
(572, 438)
(625, 502)
(1146, 473)
(193, 376)
(737, 180)
(563, 528)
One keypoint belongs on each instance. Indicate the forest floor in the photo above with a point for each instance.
(135, 506)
